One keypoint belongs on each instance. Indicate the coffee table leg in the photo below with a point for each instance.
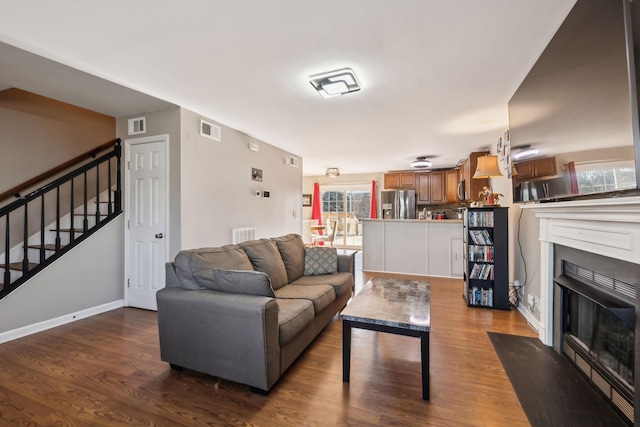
(424, 350)
(346, 350)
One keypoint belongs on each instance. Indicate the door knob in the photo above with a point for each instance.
(159, 236)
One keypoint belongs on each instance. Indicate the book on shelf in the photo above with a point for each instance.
(481, 218)
(481, 237)
(481, 271)
(482, 297)
(481, 253)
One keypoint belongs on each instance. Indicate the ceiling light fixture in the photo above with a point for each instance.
(333, 172)
(524, 152)
(421, 163)
(335, 83)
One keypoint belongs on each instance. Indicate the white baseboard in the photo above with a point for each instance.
(533, 322)
(58, 321)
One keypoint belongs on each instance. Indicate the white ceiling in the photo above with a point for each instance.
(436, 75)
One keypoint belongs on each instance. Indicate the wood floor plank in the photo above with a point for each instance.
(106, 370)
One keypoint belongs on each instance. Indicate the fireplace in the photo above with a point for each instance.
(594, 321)
(589, 307)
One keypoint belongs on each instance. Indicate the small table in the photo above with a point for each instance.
(394, 306)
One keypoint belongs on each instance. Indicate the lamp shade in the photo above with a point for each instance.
(487, 167)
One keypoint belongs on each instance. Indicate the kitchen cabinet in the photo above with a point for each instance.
(536, 168)
(451, 185)
(425, 248)
(445, 249)
(400, 180)
(472, 186)
(431, 187)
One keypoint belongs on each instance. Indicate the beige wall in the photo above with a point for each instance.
(42, 133)
(218, 194)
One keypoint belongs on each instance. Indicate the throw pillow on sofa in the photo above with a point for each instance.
(243, 282)
(265, 256)
(318, 260)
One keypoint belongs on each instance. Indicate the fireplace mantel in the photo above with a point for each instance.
(609, 227)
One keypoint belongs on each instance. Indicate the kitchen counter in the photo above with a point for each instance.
(431, 247)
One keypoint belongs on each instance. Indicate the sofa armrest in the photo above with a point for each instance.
(232, 336)
(346, 263)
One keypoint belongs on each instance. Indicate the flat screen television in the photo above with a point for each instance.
(579, 103)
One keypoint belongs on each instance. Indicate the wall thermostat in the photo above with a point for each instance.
(266, 194)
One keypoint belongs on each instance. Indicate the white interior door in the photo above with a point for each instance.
(147, 208)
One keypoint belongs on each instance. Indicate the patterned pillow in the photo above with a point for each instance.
(318, 260)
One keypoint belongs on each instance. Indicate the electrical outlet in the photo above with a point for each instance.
(530, 299)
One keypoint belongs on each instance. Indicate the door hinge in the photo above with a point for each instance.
(128, 223)
(129, 164)
(128, 283)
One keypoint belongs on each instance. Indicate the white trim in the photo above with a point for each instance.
(59, 321)
(609, 227)
(533, 322)
(128, 143)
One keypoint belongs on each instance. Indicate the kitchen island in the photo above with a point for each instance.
(411, 246)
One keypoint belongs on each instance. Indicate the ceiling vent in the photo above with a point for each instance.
(137, 126)
(209, 130)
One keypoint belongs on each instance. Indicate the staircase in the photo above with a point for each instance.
(42, 226)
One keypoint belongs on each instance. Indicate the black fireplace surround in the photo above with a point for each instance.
(595, 315)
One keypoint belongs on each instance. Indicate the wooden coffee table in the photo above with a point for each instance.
(395, 306)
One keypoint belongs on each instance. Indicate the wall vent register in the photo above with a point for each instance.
(209, 130)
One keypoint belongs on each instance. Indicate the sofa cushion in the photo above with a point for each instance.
(195, 267)
(291, 249)
(265, 256)
(319, 260)
(243, 282)
(342, 282)
(320, 295)
(293, 316)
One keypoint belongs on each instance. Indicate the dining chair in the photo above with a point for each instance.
(328, 238)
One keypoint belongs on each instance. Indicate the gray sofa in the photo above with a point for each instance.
(246, 312)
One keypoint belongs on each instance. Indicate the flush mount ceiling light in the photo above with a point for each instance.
(524, 152)
(421, 163)
(335, 83)
(333, 172)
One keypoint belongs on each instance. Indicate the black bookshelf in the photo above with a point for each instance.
(486, 257)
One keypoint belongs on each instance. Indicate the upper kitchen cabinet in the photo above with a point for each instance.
(536, 168)
(431, 187)
(400, 180)
(472, 187)
(451, 185)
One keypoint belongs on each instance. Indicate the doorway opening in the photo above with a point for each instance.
(346, 205)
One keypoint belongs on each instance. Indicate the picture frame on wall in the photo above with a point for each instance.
(306, 199)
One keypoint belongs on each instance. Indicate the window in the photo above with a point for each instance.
(608, 176)
(347, 206)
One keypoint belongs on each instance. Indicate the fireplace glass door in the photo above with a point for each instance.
(603, 334)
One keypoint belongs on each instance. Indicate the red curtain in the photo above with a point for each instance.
(373, 209)
(316, 210)
(574, 178)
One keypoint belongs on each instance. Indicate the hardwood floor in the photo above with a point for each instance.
(106, 370)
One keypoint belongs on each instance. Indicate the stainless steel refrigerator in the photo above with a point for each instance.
(399, 204)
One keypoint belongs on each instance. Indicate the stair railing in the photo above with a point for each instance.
(104, 168)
